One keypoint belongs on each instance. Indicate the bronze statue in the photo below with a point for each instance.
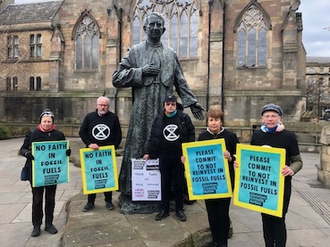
(151, 69)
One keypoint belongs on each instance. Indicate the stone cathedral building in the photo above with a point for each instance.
(237, 53)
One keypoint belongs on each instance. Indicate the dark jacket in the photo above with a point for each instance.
(186, 130)
(38, 136)
(231, 141)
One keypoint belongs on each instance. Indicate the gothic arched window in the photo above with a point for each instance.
(251, 29)
(86, 35)
(181, 23)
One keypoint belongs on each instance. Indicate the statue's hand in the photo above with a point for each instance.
(150, 69)
(197, 111)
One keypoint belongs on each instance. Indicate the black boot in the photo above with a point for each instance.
(36, 231)
(50, 228)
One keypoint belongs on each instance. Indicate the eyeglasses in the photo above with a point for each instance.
(170, 103)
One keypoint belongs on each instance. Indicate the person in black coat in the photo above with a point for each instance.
(44, 132)
(273, 134)
(100, 128)
(169, 130)
(218, 209)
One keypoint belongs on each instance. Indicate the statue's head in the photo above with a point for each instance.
(154, 26)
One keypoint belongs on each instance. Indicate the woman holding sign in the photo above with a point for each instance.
(218, 209)
(45, 132)
(272, 134)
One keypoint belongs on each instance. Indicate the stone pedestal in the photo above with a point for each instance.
(127, 206)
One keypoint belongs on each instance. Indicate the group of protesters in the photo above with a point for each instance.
(158, 127)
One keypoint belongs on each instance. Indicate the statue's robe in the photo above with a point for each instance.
(148, 97)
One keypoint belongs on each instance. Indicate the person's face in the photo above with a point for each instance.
(154, 28)
(46, 122)
(214, 124)
(270, 119)
(170, 107)
(102, 106)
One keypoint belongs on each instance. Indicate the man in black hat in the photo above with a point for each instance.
(169, 130)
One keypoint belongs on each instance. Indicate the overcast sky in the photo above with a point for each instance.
(316, 24)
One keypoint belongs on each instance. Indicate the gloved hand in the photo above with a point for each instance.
(29, 155)
(197, 111)
(68, 152)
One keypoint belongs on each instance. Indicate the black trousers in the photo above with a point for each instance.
(171, 168)
(274, 228)
(218, 216)
(107, 197)
(37, 203)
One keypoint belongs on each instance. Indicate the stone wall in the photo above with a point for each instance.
(323, 170)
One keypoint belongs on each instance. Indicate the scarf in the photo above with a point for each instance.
(171, 114)
(265, 129)
(46, 131)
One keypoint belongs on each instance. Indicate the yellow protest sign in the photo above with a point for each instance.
(259, 184)
(206, 170)
(99, 169)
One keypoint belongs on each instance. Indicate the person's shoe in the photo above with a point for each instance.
(36, 231)
(187, 201)
(51, 229)
(88, 207)
(109, 205)
(162, 215)
(181, 215)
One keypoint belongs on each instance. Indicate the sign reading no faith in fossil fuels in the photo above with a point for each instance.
(51, 164)
(99, 169)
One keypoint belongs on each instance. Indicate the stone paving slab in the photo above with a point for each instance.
(102, 226)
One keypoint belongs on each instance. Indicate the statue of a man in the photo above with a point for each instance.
(153, 70)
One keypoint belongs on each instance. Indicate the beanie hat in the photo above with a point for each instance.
(47, 113)
(171, 98)
(272, 107)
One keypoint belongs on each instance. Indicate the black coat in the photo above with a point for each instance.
(38, 136)
(231, 141)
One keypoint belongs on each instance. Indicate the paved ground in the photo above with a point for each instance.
(308, 220)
